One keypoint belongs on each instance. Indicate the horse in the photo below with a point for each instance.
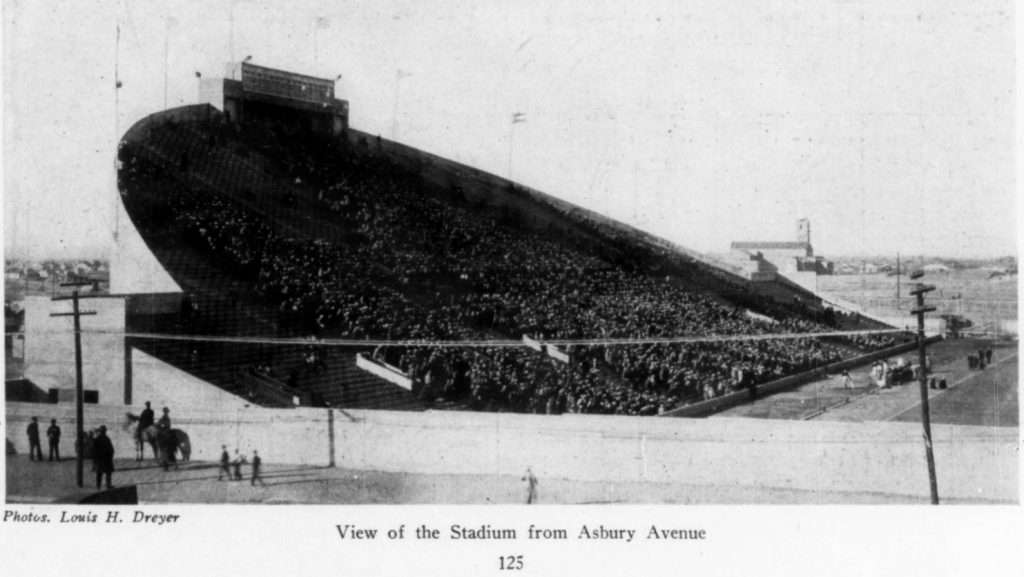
(152, 436)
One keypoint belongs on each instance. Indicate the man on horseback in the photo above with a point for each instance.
(166, 440)
(165, 421)
(145, 421)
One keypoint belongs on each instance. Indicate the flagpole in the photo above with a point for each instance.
(399, 75)
(511, 136)
(117, 134)
(517, 117)
(167, 34)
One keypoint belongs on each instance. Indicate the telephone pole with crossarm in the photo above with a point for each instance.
(919, 291)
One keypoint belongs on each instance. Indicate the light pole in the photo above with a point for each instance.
(171, 22)
(321, 24)
(238, 425)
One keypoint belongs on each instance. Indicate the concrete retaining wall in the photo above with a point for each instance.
(972, 462)
(50, 346)
(293, 436)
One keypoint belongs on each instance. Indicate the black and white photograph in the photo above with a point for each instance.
(526, 286)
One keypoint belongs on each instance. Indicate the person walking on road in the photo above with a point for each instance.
(103, 457)
(237, 464)
(256, 462)
(35, 450)
(53, 435)
(225, 464)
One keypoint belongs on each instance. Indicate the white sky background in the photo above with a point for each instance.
(890, 124)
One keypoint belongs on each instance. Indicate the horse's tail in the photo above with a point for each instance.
(184, 444)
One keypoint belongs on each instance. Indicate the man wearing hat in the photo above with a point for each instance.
(103, 457)
(53, 435)
(165, 421)
(35, 450)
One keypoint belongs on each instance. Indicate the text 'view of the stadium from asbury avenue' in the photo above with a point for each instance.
(294, 298)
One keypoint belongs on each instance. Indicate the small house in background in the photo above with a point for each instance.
(936, 268)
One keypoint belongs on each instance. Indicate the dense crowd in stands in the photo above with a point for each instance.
(418, 266)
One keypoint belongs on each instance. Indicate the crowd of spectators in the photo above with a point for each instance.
(422, 267)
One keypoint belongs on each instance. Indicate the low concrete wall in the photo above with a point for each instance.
(555, 353)
(293, 436)
(384, 371)
(973, 462)
(532, 344)
(711, 406)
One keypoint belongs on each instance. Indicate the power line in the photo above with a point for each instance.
(305, 341)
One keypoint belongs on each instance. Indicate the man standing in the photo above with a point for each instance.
(531, 487)
(225, 463)
(847, 380)
(237, 463)
(256, 461)
(103, 457)
(35, 450)
(53, 435)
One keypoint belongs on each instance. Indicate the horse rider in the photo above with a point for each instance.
(165, 421)
(166, 441)
(145, 421)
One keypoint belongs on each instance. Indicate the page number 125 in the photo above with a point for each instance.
(510, 562)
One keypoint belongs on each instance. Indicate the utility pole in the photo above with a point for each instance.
(898, 303)
(79, 387)
(919, 291)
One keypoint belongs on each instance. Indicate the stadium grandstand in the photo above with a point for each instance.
(322, 266)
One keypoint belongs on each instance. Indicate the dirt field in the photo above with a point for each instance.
(196, 482)
(982, 398)
(969, 293)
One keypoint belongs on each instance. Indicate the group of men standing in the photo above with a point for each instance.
(980, 359)
(232, 468)
(35, 449)
(102, 449)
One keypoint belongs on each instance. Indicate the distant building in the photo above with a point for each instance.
(251, 92)
(933, 268)
(795, 260)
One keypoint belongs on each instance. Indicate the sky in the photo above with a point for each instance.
(890, 124)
